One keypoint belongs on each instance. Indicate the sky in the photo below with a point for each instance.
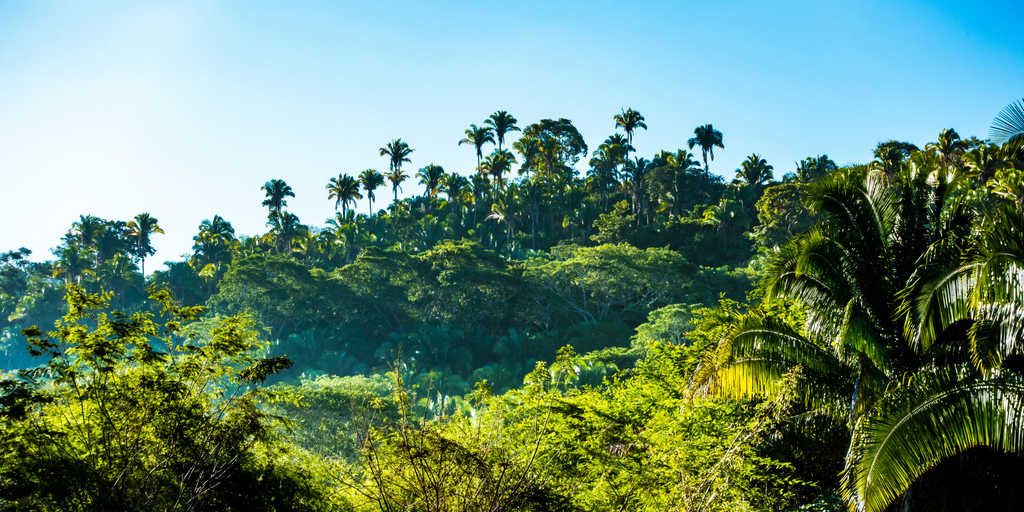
(183, 109)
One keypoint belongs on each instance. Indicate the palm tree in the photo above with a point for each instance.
(604, 169)
(681, 163)
(506, 210)
(950, 147)
(629, 120)
(277, 191)
(74, 264)
(398, 153)
(117, 275)
(396, 177)
(707, 137)
(140, 228)
(371, 180)
(882, 348)
(478, 136)
(430, 177)
(88, 228)
(212, 245)
(985, 161)
(501, 122)
(755, 171)
(529, 149)
(286, 228)
(456, 187)
(636, 183)
(813, 168)
(497, 163)
(344, 190)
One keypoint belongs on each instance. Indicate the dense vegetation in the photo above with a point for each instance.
(645, 337)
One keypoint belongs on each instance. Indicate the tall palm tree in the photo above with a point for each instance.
(277, 191)
(430, 177)
(882, 348)
(502, 123)
(344, 190)
(140, 229)
(398, 153)
(629, 120)
(707, 137)
(477, 136)
(371, 180)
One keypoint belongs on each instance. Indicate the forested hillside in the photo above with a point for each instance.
(566, 328)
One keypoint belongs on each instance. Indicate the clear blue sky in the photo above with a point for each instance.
(183, 109)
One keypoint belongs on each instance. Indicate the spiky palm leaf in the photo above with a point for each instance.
(924, 421)
(1008, 126)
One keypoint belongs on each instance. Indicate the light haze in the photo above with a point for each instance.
(184, 109)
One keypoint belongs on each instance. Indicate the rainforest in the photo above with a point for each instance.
(567, 328)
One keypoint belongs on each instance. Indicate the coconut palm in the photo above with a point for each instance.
(277, 191)
(477, 136)
(430, 177)
(371, 180)
(140, 229)
(502, 123)
(344, 190)
(629, 120)
(707, 137)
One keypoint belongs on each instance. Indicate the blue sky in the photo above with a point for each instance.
(183, 109)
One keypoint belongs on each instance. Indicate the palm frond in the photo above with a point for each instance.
(920, 424)
(1008, 126)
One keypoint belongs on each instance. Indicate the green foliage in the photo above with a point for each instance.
(113, 421)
